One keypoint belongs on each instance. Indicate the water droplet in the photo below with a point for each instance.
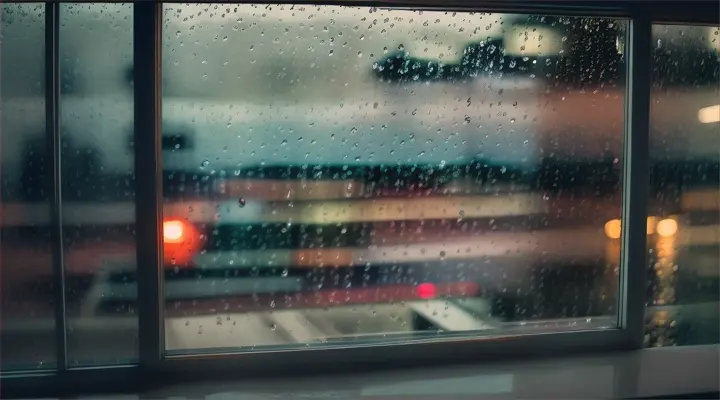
(204, 164)
(241, 202)
(273, 327)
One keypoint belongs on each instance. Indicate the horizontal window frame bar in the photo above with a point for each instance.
(696, 12)
(300, 361)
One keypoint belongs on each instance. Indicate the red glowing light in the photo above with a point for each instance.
(426, 291)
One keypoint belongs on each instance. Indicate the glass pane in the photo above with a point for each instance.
(27, 325)
(98, 182)
(684, 253)
(337, 174)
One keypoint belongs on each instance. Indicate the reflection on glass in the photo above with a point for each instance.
(27, 324)
(352, 174)
(683, 275)
(98, 186)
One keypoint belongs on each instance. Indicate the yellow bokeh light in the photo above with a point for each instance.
(612, 229)
(709, 115)
(667, 227)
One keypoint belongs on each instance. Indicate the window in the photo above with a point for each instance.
(683, 265)
(96, 123)
(337, 174)
(27, 329)
(184, 183)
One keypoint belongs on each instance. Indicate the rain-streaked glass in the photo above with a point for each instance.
(684, 259)
(27, 323)
(345, 175)
(96, 107)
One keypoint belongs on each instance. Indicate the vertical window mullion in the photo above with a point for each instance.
(148, 178)
(636, 179)
(53, 150)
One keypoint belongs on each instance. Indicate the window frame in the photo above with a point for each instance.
(155, 367)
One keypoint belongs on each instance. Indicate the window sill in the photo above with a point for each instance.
(659, 372)
(671, 372)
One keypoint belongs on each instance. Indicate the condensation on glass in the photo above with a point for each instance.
(683, 275)
(338, 175)
(27, 322)
(96, 109)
